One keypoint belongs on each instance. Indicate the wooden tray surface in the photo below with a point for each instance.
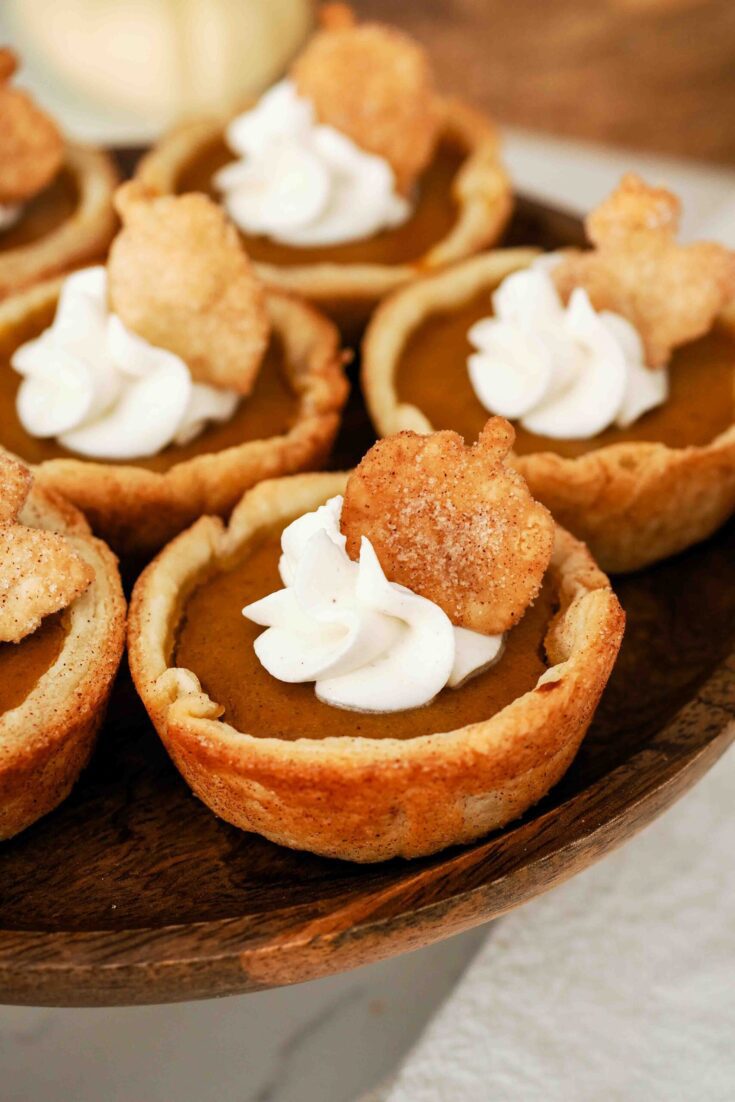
(133, 892)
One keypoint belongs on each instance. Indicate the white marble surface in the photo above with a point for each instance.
(326, 1041)
(617, 986)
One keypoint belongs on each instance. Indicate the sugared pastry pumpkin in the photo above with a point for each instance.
(62, 631)
(352, 175)
(377, 664)
(616, 364)
(163, 385)
(55, 197)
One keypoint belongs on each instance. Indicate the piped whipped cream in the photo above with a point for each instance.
(370, 645)
(567, 372)
(10, 214)
(302, 183)
(101, 390)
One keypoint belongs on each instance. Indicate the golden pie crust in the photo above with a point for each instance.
(357, 798)
(633, 503)
(82, 237)
(47, 739)
(482, 191)
(137, 510)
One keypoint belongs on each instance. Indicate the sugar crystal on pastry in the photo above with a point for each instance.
(15, 484)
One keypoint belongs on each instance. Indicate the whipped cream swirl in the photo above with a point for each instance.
(563, 372)
(101, 390)
(369, 644)
(301, 183)
(10, 214)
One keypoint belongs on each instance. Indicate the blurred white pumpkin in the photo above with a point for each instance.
(157, 60)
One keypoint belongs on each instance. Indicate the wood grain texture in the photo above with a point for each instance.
(133, 892)
(653, 74)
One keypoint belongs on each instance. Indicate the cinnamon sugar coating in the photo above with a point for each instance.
(374, 84)
(180, 278)
(455, 524)
(671, 293)
(40, 573)
(32, 147)
(15, 485)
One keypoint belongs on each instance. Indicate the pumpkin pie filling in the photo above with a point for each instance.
(432, 375)
(23, 664)
(44, 213)
(270, 410)
(215, 641)
(434, 215)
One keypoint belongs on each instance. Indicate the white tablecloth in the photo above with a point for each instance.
(619, 985)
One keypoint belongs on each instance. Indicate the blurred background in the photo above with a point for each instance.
(656, 75)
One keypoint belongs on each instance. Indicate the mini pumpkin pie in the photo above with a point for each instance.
(55, 197)
(352, 175)
(617, 365)
(62, 632)
(434, 649)
(164, 385)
